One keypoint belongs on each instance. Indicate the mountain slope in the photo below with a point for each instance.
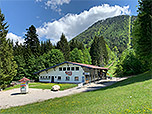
(116, 32)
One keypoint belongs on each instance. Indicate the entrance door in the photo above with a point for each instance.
(87, 79)
(52, 80)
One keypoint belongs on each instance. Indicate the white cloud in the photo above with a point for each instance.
(38, 0)
(73, 24)
(54, 4)
(15, 38)
(57, 2)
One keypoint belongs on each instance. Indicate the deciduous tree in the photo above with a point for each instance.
(76, 56)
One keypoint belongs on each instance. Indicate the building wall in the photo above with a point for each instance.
(60, 76)
(93, 74)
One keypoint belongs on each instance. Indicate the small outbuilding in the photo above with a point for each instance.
(72, 72)
(24, 85)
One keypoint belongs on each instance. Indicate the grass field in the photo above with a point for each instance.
(130, 96)
(39, 85)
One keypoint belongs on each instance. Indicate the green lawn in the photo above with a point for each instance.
(39, 85)
(131, 96)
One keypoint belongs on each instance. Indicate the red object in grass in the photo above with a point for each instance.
(24, 79)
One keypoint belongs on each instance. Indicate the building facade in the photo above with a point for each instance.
(71, 72)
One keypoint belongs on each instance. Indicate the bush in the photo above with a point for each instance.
(129, 64)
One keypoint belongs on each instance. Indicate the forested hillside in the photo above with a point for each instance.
(116, 32)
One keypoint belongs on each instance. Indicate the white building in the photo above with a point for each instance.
(71, 72)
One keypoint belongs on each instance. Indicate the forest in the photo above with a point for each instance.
(114, 30)
(124, 40)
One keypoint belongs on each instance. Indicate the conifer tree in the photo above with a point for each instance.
(76, 44)
(21, 69)
(7, 64)
(42, 47)
(18, 49)
(142, 32)
(98, 51)
(64, 46)
(46, 46)
(32, 41)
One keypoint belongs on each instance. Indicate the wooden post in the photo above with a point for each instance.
(94, 75)
(106, 74)
(98, 74)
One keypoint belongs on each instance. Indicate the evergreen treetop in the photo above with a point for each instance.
(142, 32)
(64, 46)
(32, 41)
(98, 52)
(7, 64)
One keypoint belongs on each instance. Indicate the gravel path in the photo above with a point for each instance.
(13, 97)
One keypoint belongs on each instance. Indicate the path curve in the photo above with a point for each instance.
(11, 98)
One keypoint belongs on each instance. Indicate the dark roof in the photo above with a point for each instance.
(74, 63)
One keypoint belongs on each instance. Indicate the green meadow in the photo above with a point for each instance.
(130, 96)
(39, 85)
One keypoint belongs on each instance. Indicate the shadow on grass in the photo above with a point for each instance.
(135, 79)
(104, 84)
(138, 78)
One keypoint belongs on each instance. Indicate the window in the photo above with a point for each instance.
(64, 68)
(77, 68)
(49, 77)
(72, 68)
(76, 79)
(67, 78)
(40, 76)
(60, 68)
(68, 68)
(59, 77)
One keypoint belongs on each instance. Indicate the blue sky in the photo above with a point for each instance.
(54, 17)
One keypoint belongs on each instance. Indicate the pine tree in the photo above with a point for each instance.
(64, 46)
(98, 51)
(76, 44)
(32, 66)
(49, 46)
(7, 64)
(18, 49)
(42, 47)
(46, 46)
(32, 41)
(21, 69)
(142, 32)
